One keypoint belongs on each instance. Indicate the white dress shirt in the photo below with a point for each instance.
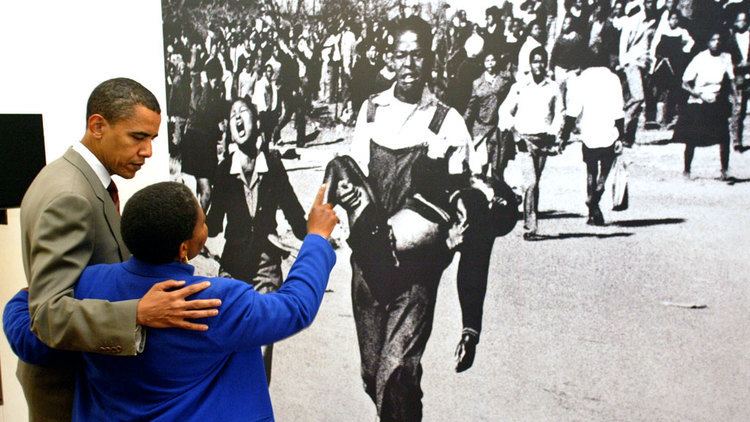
(101, 172)
(532, 108)
(400, 125)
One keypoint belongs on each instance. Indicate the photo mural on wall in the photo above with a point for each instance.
(432, 132)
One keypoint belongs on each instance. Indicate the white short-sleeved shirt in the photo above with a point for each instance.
(401, 125)
(533, 108)
(707, 72)
(595, 96)
(259, 95)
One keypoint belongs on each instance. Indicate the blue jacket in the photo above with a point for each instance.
(185, 375)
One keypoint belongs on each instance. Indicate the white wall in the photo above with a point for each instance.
(52, 54)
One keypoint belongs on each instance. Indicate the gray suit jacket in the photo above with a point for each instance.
(68, 221)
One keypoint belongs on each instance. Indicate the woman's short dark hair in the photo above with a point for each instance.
(157, 219)
(115, 99)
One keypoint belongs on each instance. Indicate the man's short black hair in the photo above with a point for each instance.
(539, 51)
(115, 99)
(157, 219)
(413, 24)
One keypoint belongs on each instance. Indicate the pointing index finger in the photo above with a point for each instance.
(320, 195)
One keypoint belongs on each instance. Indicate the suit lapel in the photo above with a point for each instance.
(110, 213)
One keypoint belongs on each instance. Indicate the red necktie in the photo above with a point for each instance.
(112, 189)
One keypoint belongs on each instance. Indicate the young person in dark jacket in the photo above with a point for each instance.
(250, 186)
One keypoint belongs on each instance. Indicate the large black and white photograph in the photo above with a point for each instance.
(541, 201)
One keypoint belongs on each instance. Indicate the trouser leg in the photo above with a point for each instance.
(724, 155)
(531, 197)
(671, 104)
(529, 217)
(49, 391)
(598, 165)
(369, 321)
(739, 111)
(499, 154)
(285, 119)
(493, 157)
(688, 158)
(592, 176)
(632, 113)
(333, 93)
(605, 166)
(744, 94)
(268, 122)
(300, 120)
(392, 340)
(634, 103)
(474, 261)
(651, 97)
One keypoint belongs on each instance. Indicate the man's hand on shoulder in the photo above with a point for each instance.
(163, 307)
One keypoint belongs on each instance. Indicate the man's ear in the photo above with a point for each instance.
(97, 124)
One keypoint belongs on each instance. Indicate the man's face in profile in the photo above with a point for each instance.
(126, 144)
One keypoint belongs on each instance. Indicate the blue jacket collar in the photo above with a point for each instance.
(169, 270)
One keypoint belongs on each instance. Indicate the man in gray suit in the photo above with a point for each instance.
(69, 220)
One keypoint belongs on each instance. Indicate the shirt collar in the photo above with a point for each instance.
(545, 81)
(388, 97)
(169, 270)
(94, 163)
(239, 158)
